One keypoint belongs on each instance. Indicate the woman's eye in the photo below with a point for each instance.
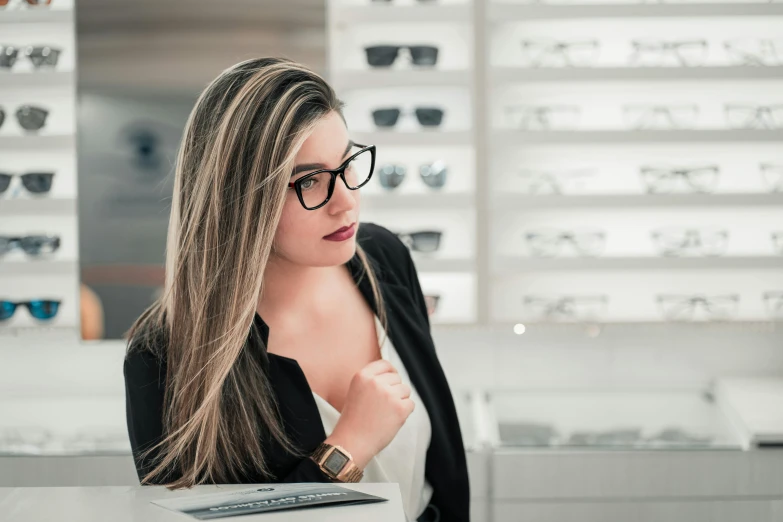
(308, 184)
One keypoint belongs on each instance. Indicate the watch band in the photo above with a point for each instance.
(349, 472)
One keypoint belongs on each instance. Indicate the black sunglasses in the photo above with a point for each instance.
(29, 117)
(427, 116)
(31, 245)
(39, 55)
(385, 55)
(34, 182)
(315, 189)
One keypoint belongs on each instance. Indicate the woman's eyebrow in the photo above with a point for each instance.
(316, 166)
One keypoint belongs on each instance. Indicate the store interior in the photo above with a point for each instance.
(591, 191)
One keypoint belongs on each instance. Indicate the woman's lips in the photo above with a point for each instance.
(343, 234)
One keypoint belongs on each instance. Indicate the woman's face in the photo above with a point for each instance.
(301, 232)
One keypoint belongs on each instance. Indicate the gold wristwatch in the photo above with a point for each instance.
(337, 463)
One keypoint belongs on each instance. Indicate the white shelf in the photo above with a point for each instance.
(383, 78)
(379, 13)
(570, 74)
(37, 141)
(423, 138)
(418, 201)
(526, 264)
(38, 206)
(37, 267)
(37, 78)
(640, 136)
(518, 13)
(56, 333)
(43, 15)
(436, 265)
(525, 201)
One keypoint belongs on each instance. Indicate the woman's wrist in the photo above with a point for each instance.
(359, 454)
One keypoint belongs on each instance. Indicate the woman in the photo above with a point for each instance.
(340, 380)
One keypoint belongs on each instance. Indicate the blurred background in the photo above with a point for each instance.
(592, 191)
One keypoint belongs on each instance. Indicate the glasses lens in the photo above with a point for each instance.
(543, 243)
(359, 170)
(744, 117)
(703, 179)
(6, 244)
(381, 55)
(7, 309)
(427, 241)
(31, 118)
(8, 55)
(424, 54)
(391, 176)
(5, 182)
(429, 117)
(773, 176)
(43, 55)
(385, 117)
(40, 245)
(38, 182)
(314, 188)
(434, 174)
(43, 309)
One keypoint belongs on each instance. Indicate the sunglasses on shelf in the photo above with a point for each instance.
(34, 182)
(31, 245)
(40, 55)
(41, 309)
(432, 174)
(427, 116)
(386, 55)
(33, 3)
(422, 241)
(30, 117)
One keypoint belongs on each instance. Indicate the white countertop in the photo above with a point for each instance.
(132, 504)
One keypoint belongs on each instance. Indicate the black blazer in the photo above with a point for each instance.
(408, 329)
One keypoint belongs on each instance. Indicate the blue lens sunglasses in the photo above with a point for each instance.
(41, 309)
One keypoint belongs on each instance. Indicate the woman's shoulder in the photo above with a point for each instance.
(145, 356)
(383, 245)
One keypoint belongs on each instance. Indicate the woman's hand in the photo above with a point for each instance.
(375, 408)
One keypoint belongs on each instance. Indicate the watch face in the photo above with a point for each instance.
(335, 462)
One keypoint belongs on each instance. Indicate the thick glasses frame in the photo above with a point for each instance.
(339, 171)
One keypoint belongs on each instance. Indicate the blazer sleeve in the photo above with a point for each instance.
(144, 392)
(413, 278)
(144, 395)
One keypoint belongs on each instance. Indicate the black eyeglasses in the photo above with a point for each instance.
(29, 117)
(683, 307)
(30, 245)
(34, 182)
(316, 188)
(41, 309)
(386, 55)
(663, 179)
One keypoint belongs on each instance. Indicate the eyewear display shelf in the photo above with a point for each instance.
(39, 282)
(600, 119)
(417, 58)
(574, 133)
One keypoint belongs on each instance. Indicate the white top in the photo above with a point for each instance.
(403, 460)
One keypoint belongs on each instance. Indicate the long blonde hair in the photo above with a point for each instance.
(232, 174)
